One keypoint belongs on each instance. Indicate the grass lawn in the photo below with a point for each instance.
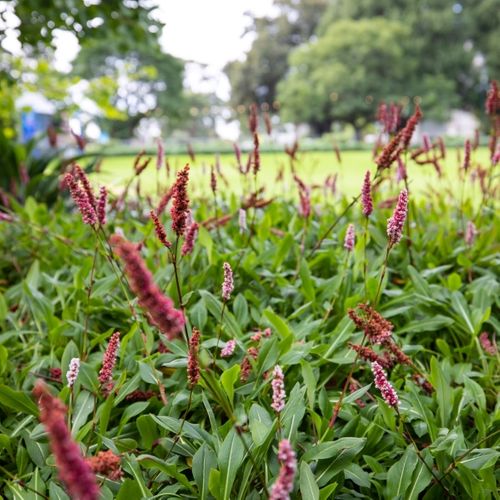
(312, 167)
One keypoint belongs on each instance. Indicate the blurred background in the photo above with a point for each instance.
(81, 77)
(137, 70)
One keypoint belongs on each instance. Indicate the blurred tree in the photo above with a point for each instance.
(455, 41)
(344, 73)
(128, 21)
(255, 79)
(128, 86)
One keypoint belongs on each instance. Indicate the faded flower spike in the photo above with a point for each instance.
(384, 386)
(396, 222)
(349, 238)
(193, 366)
(73, 469)
(160, 230)
(72, 373)
(376, 328)
(470, 233)
(228, 285)
(191, 232)
(81, 199)
(366, 195)
(278, 385)
(284, 484)
(228, 349)
(242, 220)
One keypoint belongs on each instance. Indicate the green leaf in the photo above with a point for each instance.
(480, 459)
(240, 309)
(307, 283)
(260, 424)
(441, 383)
(308, 486)
(228, 378)
(293, 412)
(130, 463)
(430, 324)
(310, 381)
(278, 323)
(203, 460)
(152, 462)
(419, 404)
(84, 406)
(399, 475)
(17, 401)
(330, 449)
(128, 490)
(147, 429)
(420, 480)
(230, 457)
(460, 306)
(357, 475)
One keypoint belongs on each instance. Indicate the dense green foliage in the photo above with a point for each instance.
(62, 296)
(361, 52)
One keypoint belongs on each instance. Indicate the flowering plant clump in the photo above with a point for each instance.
(343, 365)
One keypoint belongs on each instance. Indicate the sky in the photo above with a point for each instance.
(210, 32)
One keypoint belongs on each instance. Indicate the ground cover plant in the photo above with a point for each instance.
(245, 346)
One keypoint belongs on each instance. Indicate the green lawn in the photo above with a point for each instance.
(313, 168)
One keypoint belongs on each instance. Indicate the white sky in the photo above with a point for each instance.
(204, 31)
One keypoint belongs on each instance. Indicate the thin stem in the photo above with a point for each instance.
(365, 260)
(457, 460)
(409, 241)
(89, 292)
(179, 432)
(382, 275)
(344, 271)
(219, 332)
(178, 286)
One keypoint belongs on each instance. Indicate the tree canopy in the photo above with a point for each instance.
(352, 55)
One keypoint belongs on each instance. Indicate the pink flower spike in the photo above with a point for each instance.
(228, 285)
(228, 349)
(384, 386)
(284, 484)
(73, 470)
(349, 238)
(101, 205)
(109, 361)
(278, 385)
(366, 195)
(396, 223)
(488, 346)
(162, 313)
